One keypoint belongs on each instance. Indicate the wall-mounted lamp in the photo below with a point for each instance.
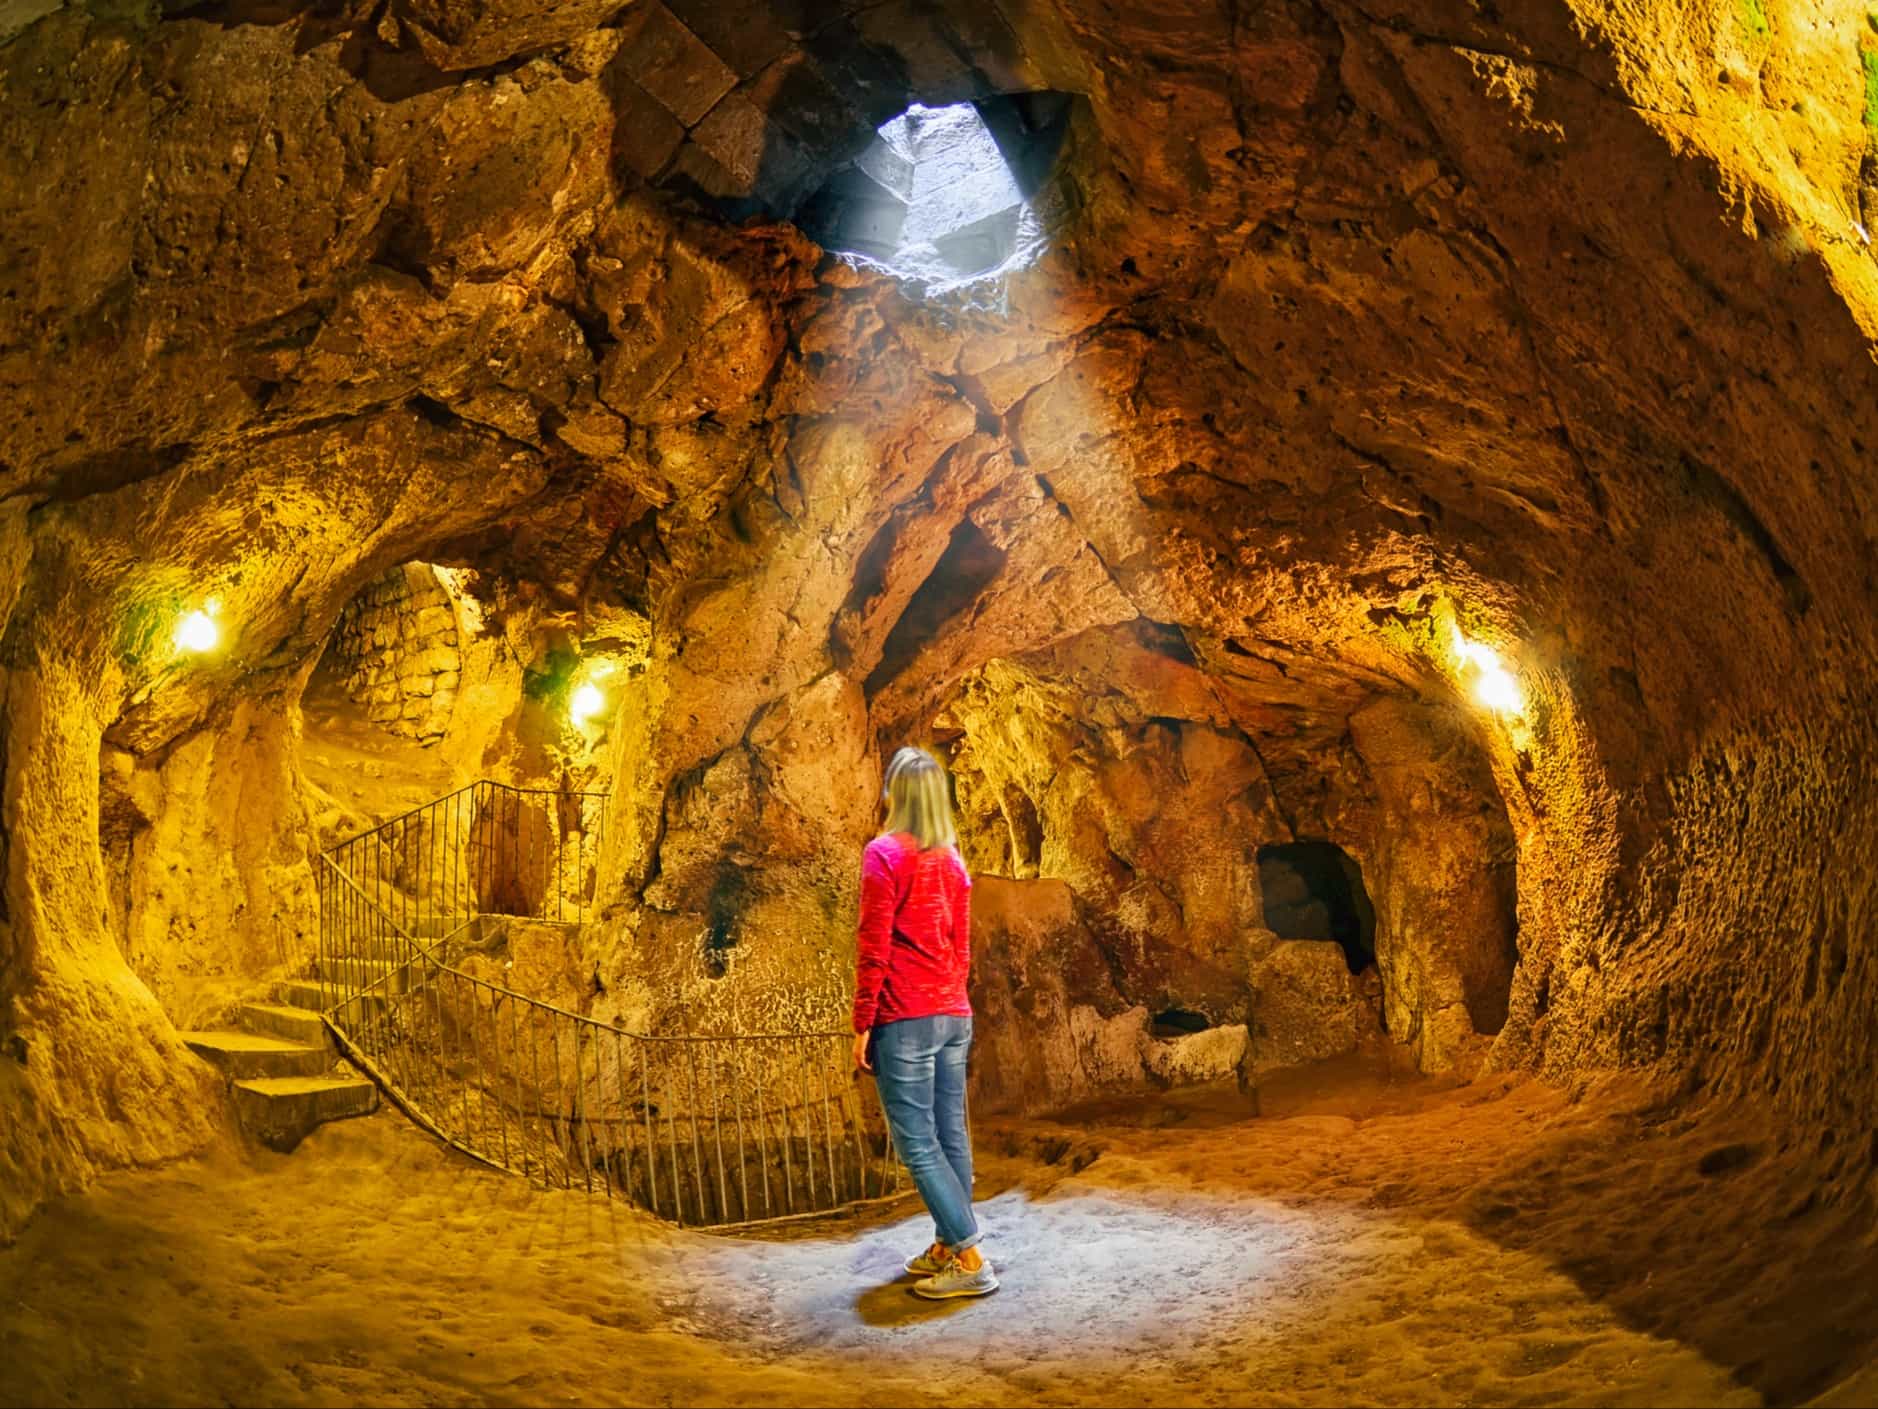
(587, 701)
(1494, 686)
(197, 631)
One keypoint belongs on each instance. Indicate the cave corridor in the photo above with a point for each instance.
(1372, 504)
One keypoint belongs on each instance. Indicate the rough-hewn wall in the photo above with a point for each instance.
(1552, 320)
(1111, 767)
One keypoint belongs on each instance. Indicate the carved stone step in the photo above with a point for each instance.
(280, 1111)
(248, 1054)
(279, 1020)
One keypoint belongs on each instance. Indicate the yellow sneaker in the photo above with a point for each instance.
(954, 1280)
(925, 1264)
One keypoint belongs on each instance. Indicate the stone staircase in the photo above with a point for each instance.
(281, 1066)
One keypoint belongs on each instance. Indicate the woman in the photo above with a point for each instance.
(911, 1015)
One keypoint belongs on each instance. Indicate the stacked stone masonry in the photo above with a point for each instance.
(396, 649)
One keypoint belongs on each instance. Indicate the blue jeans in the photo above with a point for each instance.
(919, 1064)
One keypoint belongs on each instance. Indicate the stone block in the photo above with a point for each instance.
(434, 621)
(907, 35)
(645, 134)
(745, 37)
(889, 168)
(1306, 1005)
(795, 95)
(866, 227)
(1003, 63)
(673, 64)
(1209, 1055)
(984, 244)
(875, 84)
(854, 211)
(698, 169)
(758, 155)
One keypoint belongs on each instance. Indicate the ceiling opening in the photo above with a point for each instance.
(945, 198)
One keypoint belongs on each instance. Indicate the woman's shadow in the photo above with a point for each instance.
(893, 1304)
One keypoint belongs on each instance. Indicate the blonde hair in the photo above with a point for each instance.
(917, 799)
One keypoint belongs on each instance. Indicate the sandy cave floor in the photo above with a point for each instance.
(1361, 1243)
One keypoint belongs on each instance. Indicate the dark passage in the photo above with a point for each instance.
(969, 563)
(1178, 1022)
(1313, 890)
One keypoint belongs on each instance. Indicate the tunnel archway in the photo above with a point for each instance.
(380, 722)
(394, 658)
(1314, 890)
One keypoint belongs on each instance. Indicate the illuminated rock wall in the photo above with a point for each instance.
(1552, 328)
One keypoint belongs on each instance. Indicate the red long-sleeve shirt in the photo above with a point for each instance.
(914, 935)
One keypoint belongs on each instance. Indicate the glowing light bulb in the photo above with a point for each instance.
(587, 702)
(1498, 691)
(1494, 685)
(198, 632)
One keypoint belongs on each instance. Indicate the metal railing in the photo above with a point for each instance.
(488, 848)
(711, 1130)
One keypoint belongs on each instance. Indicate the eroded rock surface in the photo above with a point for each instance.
(1550, 325)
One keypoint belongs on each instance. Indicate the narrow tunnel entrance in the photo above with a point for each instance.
(1314, 890)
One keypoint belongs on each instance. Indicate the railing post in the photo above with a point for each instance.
(534, 1058)
(645, 1108)
(515, 1058)
(671, 1131)
(580, 1104)
(743, 1153)
(626, 1124)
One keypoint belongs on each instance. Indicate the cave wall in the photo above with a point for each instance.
(1153, 823)
(211, 892)
(1109, 763)
(746, 922)
(1439, 858)
(1551, 322)
(92, 1075)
